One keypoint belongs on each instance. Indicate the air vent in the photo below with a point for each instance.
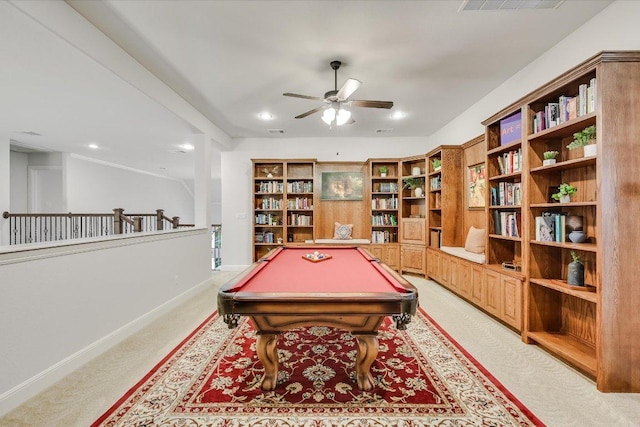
(387, 130)
(475, 5)
(275, 130)
(30, 132)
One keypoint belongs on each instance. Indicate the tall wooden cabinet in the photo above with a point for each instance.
(283, 198)
(385, 208)
(594, 328)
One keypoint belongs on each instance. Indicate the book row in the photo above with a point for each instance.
(567, 108)
(300, 187)
(386, 187)
(389, 203)
(556, 226)
(300, 220)
(506, 194)
(270, 203)
(384, 237)
(510, 162)
(270, 187)
(267, 219)
(300, 203)
(507, 223)
(384, 220)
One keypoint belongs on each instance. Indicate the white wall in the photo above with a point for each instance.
(100, 187)
(237, 215)
(62, 306)
(615, 28)
(18, 181)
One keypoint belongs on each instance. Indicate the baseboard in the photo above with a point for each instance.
(19, 394)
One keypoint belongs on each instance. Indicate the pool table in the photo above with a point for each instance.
(347, 288)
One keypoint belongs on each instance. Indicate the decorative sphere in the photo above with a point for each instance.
(577, 236)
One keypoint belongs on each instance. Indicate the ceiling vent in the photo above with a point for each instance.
(30, 132)
(275, 130)
(387, 130)
(470, 5)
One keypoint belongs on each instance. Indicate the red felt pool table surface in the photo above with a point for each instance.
(349, 270)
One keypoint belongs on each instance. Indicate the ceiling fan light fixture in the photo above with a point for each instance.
(329, 115)
(343, 116)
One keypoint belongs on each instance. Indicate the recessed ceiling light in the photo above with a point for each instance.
(187, 147)
(93, 146)
(265, 116)
(397, 115)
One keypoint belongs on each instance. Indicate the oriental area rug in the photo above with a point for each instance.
(422, 376)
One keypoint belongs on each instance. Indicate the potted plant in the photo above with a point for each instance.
(414, 184)
(437, 164)
(564, 193)
(549, 157)
(585, 138)
(575, 271)
(383, 170)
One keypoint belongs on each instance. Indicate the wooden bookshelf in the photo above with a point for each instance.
(413, 210)
(283, 200)
(589, 328)
(384, 209)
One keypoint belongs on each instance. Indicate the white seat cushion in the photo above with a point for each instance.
(462, 253)
(342, 242)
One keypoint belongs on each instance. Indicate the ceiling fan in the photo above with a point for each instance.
(336, 102)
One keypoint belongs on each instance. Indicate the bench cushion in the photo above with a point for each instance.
(462, 253)
(342, 242)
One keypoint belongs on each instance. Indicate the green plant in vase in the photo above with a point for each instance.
(383, 170)
(585, 138)
(414, 184)
(549, 157)
(436, 163)
(564, 193)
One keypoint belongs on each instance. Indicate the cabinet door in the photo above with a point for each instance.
(413, 231)
(433, 260)
(465, 279)
(454, 271)
(512, 301)
(413, 259)
(392, 256)
(445, 270)
(493, 285)
(378, 251)
(478, 293)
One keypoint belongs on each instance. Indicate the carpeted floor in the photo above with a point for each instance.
(552, 391)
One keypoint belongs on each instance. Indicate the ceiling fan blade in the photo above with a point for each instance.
(347, 89)
(308, 113)
(371, 104)
(295, 95)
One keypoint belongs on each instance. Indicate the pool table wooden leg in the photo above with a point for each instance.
(268, 355)
(367, 353)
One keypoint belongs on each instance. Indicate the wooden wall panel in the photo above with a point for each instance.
(328, 212)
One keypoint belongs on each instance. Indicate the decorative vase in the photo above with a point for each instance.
(575, 274)
(547, 162)
(383, 174)
(418, 192)
(590, 150)
(565, 199)
(415, 171)
(269, 175)
(437, 168)
(577, 236)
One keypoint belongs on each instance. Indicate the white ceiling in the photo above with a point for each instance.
(233, 59)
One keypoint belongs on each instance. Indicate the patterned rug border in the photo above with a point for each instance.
(490, 377)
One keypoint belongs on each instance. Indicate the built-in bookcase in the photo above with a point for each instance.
(588, 327)
(413, 211)
(505, 160)
(385, 209)
(283, 200)
(445, 197)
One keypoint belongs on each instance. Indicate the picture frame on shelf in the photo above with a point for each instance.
(342, 186)
(476, 186)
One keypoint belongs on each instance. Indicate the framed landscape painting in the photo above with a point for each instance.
(342, 186)
(476, 185)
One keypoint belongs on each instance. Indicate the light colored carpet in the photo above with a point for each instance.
(554, 392)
